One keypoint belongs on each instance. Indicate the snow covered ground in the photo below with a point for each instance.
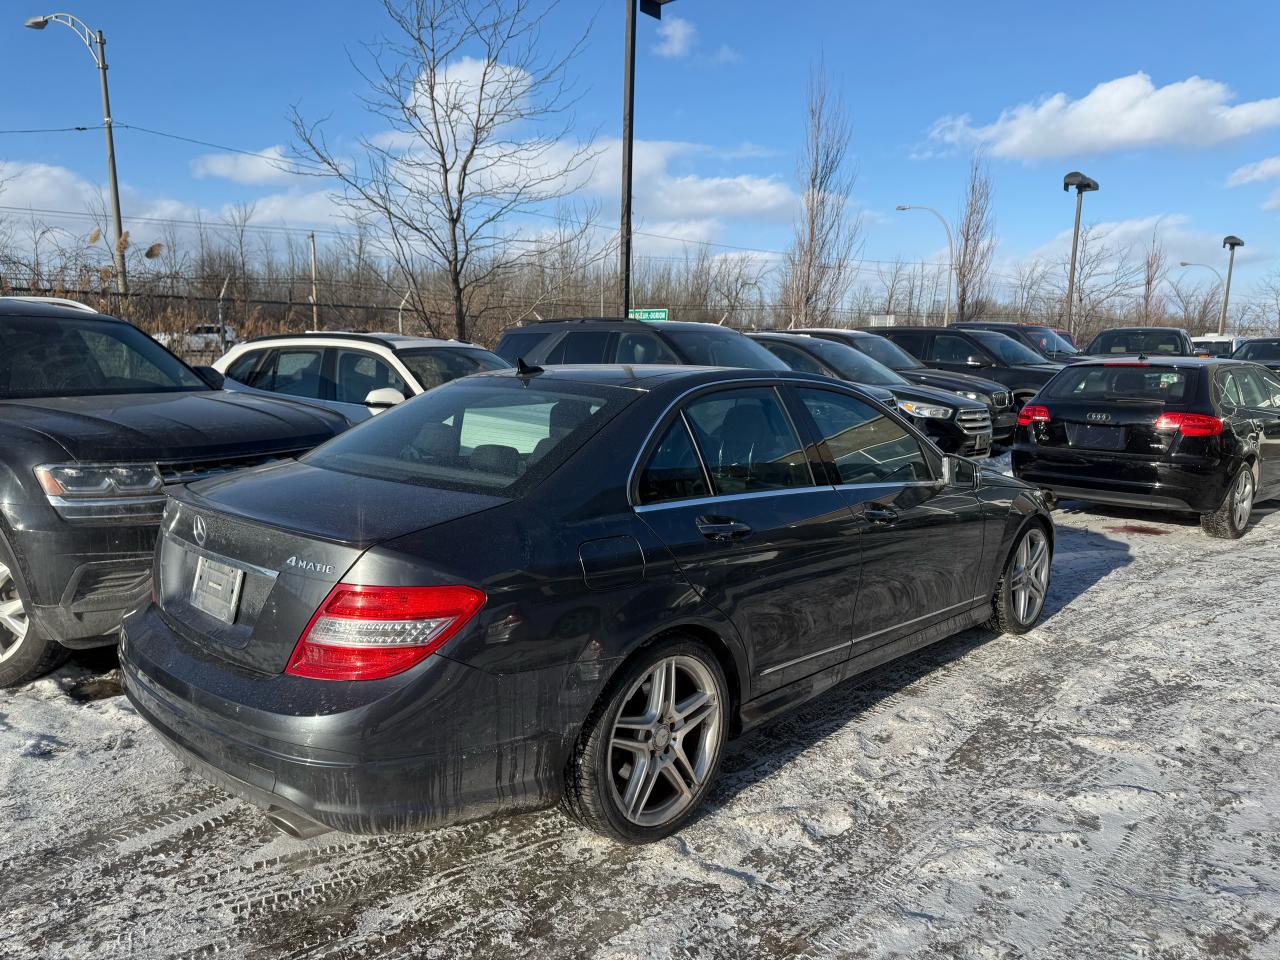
(1106, 786)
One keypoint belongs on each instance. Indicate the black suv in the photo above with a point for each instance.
(606, 340)
(988, 354)
(1263, 350)
(1177, 433)
(1043, 340)
(1151, 341)
(97, 421)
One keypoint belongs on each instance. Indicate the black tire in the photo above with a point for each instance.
(1008, 615)
(1231, 519)
(592, 794)
(34, 653)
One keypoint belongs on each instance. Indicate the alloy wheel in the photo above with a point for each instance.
(14, 622)
(1029, 578)
(665, 741)
(1242, 500)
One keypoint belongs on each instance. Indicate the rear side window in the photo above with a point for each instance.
(673, 471)
(913, 343)
(795, 359)
(586, 346)
(747, 441)
(296, 373)
(1151, 384)
(516, 344)
(866, 445)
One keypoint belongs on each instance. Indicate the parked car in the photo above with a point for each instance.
(953, 423)
(1066, 335)
(1263, 350)
(1145, 341)
(97, 422)
(996, 396)
(1043, 340)
(658, 559)
(1190, 434)
(608, 340)
(991, 355)
(356, 374)
(204, 338)
(1212, 345)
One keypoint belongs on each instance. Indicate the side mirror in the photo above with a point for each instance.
(211, 376)
(973, 360)
(959, 472)
(383, 398)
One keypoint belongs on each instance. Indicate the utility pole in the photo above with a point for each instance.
(1232, 243)
(315, 304)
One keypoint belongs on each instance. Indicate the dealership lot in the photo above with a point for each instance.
(1108, 785)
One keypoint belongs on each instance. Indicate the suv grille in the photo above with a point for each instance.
(189, 471)
(974, 422)
(1000, 399)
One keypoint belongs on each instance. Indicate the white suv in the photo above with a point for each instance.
(357, 374)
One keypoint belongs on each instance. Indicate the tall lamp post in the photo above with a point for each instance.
(97, 44)
(652, 8)
(951, 255)
(1232, 243)
(1083, 185)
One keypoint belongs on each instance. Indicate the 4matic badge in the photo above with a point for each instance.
(310, 566)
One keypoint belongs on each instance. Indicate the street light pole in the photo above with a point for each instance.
(97, 44)
(1231, 242)
(1083, 185)
(951, 255)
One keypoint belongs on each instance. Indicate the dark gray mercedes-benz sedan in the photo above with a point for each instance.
(570, 584)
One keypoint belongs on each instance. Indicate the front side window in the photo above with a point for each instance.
(1007, 349)
(69, 357)
(673, 471)
(865, 444)
(241, 370)
(359, 372)
(948, 348)
(747, 441)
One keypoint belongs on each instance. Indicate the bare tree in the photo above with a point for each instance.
(1197, 305)
(819, 265)
(976, 242)
(1155, 267)
(735, 288)
(1268, 296)
(477, 120)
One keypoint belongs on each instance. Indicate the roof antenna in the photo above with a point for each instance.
(526, 369)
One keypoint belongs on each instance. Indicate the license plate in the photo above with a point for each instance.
(1092, 437)
(216, 589)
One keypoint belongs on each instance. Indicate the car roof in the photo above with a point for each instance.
(652, 376)
(624, 323)
(1132, 359)
(1251, 339)
(395, 341)
(50, 308)
(844, 331)
(1141, 330)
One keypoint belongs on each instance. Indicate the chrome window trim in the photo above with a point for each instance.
(728, 498)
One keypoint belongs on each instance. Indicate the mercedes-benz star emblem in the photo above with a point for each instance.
(199, 530)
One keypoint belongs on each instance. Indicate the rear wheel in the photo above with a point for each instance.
(25, 652)
(1230, 520)
(1024, 584)
(651, 748)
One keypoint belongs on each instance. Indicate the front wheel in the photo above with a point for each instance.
(25, 652)
(1231, 519)
(1022, 587)
(651, 748)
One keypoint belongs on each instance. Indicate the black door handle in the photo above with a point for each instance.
(722, 528)
(878, 513)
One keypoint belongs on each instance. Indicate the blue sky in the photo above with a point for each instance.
(1189, 101)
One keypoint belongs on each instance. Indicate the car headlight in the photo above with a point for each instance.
(925, 411)
(972, 395)
(94, 491)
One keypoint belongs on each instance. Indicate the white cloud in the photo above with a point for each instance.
(676, 37)
(1126, 113)
(1267, 169)
(266, 166)
(726, 54)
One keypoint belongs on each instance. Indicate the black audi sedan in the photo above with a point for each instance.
(1175, 433)
(956, 424)
(571, 584)
(97, 421)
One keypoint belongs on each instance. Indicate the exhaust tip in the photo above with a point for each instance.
(294, 824)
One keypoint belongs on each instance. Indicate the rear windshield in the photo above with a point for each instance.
(1260, 351)
(1007, 349)
(70, 357)
(1137, 341)
(432, 366)
(483, 435)
(1144, 383)
(717, 347)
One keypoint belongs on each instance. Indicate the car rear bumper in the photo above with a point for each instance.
(450, 744)
(1199, 486)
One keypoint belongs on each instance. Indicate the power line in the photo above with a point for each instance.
(94, 126)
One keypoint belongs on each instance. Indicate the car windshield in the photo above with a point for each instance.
(717, 347)
(1137, 341)
(854, 366)
(1006, 349)
(482, 435)
(73, 357)
(1119, 381)
(1047, 341)
(432, 366)
(887, 352)
(1259, 351)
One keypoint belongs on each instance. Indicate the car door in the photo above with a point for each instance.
(920, 538)
(729, 488)
(1260, 391)
(356, 374)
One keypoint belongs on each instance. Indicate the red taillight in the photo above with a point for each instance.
(1032, 413)
(366, 633)
(1190, 424)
